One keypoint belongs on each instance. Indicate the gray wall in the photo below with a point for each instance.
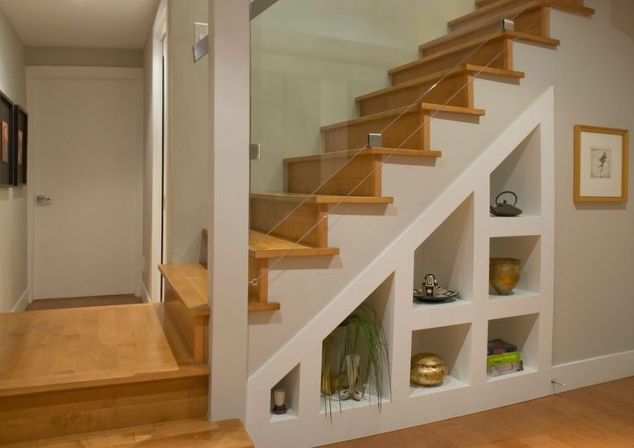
(13, 272)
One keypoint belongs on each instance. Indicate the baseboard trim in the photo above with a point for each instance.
(22, 302)
(145, 294)
(587, 372)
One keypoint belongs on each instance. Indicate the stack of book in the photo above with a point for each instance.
(503, 358)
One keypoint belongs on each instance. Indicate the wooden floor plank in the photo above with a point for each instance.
(594, 417)
(81, 302)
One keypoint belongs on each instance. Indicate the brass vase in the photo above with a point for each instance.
(504, 273)
(428, 370)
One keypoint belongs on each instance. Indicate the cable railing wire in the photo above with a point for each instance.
(356, 151)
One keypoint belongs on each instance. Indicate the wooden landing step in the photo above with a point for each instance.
(188, 433)
(68, 371)
(352, 153)
(263, 246)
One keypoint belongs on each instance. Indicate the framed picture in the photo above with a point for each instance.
(601, 164)
(6, 141)
(20, 139)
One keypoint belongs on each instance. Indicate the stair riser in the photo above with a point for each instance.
(291, 221)
(61, 413)
(259, 270)
(534, 22)
(494, 54)
(454, 91)
(410, 130)
(358, 176)
(193, 330)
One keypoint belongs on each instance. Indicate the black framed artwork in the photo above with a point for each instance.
(20, 144)
(7, 167)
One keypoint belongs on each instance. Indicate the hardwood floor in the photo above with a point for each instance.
(81, 302)
(593, 417)
(52, 347)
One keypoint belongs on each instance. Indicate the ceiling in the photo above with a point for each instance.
(81, 23)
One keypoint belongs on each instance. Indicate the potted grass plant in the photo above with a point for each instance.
(354, 357)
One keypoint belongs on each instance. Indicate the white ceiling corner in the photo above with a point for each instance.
(123, 24)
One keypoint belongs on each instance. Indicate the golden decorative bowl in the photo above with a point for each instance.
(504, 273)
(428, 370)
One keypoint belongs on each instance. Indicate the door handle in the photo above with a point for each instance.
(41, 199)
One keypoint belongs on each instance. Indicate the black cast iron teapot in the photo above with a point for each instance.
(503, 208)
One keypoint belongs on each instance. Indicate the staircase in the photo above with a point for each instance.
(438, 85)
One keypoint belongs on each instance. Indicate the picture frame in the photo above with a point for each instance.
(7, 167)
(600, 164)
(20, 142)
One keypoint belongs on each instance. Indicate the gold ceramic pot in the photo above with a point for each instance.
(504, 273)
(428, 370)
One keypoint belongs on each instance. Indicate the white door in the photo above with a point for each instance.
(86, 146)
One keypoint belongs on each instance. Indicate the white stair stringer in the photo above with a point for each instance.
(308, 426)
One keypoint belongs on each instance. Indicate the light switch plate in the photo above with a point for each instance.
(201, 30)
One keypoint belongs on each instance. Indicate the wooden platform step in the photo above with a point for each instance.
(91, 369)
(454, 85)
(500, 7)
(262, 246)
(404, 127)
(342, 172)
(493, 50)
(188, 433)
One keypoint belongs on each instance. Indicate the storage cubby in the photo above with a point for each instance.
(521, 173)
(290, 384)
(453, 344)
(522, 331)
(448, 254)
(527, 249)
(380, 302)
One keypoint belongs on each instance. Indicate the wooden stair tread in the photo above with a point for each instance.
(191, 283)
(46, 350)
(515, 35)
(469, 69)
(262, 246)
(365, 152)
(511, 4)
(406, 110)
(191, 433)
(322, 199)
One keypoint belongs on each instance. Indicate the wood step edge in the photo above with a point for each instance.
(564, 6)
(322, 199)
(186, 371)
(351, 153)
(282, 248)
(465, 69)
(498, 35)
(232, 435)
(407, 110)
(259, 307)
(174, 274)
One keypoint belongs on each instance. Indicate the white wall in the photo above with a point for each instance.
(13, 272)
(188, 142)
(591, 72)
(88, 57)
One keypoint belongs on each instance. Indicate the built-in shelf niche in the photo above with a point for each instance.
(381, 300)
(523, 331)
(521, 173)
(453, 344)
(448, 254)
(527, 249)
(290, 384)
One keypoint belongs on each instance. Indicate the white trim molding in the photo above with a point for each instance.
(23, 302)
(587, 372)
